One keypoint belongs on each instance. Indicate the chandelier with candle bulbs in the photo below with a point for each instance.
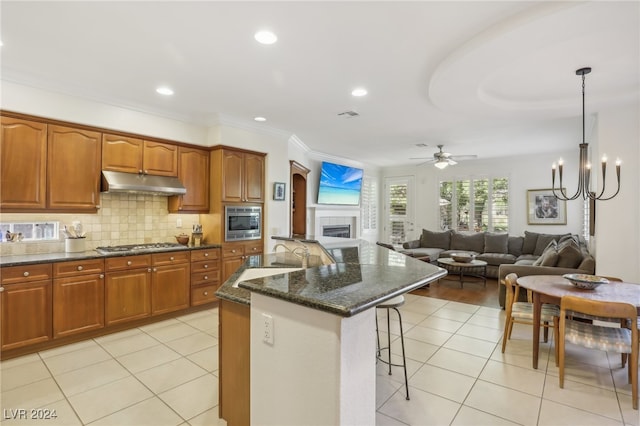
(584, 171)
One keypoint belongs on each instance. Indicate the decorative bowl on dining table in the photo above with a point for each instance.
(584, 281)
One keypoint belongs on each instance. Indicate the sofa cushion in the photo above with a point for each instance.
(433, 253)
(544, 239)
(497, 258)
(514, 245)
(432, 239)
(529, 243)
(496, 243)
(526, 259)
(473, 241)
(588, 265)
(569, 255)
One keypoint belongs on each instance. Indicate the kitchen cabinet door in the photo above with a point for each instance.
(193, 172)
(23, 164)
(26, 313)
(78, 304)
(121, 154)
(73, 169)
(171, 288)
(253, 178)
(160, 159)
(128, 295)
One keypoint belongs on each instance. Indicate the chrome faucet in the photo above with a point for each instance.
(304, 256)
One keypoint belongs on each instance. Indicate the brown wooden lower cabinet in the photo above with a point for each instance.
(128, 295)
(26, 314)
(170, 288)
(79, 304)
(234, 362)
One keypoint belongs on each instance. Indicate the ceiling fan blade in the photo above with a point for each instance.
(451, 162)
(463, 157)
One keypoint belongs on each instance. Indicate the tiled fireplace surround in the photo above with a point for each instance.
(331, 217)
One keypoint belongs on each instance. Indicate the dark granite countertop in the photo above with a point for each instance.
(29, 259)
(363, 276)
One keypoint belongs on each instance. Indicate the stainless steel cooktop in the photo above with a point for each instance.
(134, 248)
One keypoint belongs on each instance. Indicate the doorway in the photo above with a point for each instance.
(298, 214)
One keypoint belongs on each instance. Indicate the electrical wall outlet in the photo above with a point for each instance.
(267, 331)
(179, 223)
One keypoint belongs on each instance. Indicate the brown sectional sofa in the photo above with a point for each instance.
(532, 254)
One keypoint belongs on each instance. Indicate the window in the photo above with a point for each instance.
(31, 231)
(399, 218)
(475, 204)
(369, 206)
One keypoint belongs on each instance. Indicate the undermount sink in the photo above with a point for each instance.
(253, 273)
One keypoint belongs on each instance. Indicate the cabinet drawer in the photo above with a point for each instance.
(128, 262)
(170, 258)
(89, 266)
(24, 273)
(207, 254)
(203, 294)
(253, 248)
(210, 277)
(232, 251)
(205, 266)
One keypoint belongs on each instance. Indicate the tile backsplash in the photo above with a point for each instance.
(123, 219)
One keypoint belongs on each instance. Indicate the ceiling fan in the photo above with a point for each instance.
(443, 159)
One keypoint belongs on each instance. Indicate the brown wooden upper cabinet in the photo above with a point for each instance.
(131, 155)
(73, 172)
(23, 164)
(193, 172)
(242, 176)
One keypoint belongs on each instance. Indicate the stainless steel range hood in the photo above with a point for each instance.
(146, 184)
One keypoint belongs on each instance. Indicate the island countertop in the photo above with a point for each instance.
(363, 276)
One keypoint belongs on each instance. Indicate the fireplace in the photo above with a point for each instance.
(340, 231)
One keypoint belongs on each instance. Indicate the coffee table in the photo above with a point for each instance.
(475, 268)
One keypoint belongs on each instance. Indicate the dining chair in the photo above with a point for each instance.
(612, 339)
(522, 313)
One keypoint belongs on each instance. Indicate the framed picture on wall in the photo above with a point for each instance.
(544, 208)
(278, 191)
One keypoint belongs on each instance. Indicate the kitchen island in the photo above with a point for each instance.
(309, 334)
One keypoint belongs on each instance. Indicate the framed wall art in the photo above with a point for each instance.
(278, 191)
(544, 208)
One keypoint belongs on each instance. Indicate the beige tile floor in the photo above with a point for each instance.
(166, 374)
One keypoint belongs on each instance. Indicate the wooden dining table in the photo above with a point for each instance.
(551, 288)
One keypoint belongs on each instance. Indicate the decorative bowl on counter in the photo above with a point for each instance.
(462, 257)
(182, 239)
(584, 281)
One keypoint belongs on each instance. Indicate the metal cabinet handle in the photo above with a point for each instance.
(1, 289)
(206, 293)
(80, 268)
(101, 276)
(206, 255)
(149, 270)
(129, 263)
(171, 258)
(140, 171)
(26, 274)
(206, 277)
(155, 269)
(206, 266)
(233, 251)
(146, 172)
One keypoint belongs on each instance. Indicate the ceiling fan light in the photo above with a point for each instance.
(441, 164)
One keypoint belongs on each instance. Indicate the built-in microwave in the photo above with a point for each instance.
(242, 223)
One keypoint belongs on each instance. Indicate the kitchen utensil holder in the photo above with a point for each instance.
(74, 245)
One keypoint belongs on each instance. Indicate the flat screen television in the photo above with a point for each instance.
(339, 185)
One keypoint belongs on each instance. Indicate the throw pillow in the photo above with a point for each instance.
(432, 239)
(529, 244)
(543, 240)
(569, 255)
(496, 243)
(549, 253)
(473, 241)
(588, 265)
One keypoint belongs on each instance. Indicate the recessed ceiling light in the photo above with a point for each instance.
(260, 119)
(360, 91)
(164, 91)
(265, 37)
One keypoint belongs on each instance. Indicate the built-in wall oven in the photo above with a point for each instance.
(242, 223)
